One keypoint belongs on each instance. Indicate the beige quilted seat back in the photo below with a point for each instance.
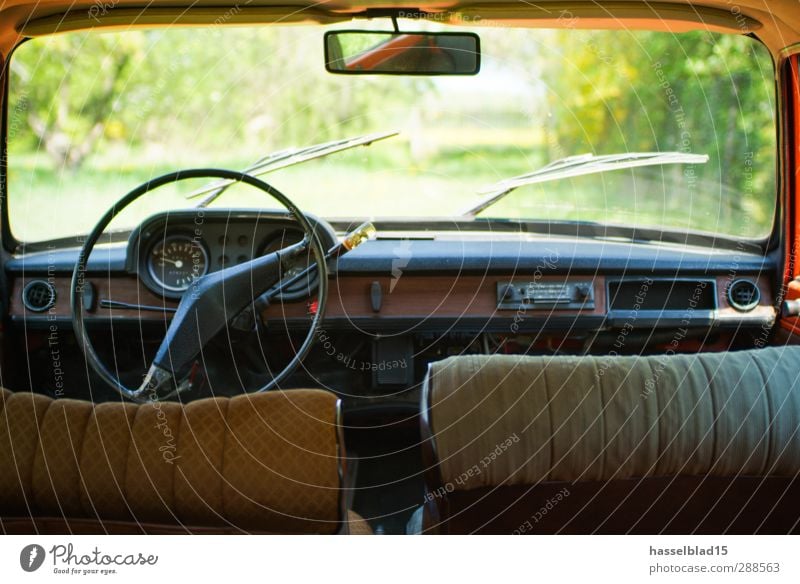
(586, 418)
(255, 463)
(714, 433)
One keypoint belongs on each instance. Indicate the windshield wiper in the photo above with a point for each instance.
(580, 165)
(288, 157)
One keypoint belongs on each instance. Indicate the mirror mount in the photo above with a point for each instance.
(394, 14)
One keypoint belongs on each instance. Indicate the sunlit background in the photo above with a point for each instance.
(91, 116)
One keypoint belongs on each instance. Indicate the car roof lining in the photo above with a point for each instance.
(22, 18)
(668, 17)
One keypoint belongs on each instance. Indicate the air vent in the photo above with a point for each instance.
(743, 295)
(38, 296)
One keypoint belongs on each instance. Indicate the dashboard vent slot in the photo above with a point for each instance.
(743, 295)
(637, 294)
(38, 295)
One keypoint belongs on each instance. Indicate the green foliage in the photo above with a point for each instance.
(66, 89)
(694, 92)
(92, 114)
(137, 84)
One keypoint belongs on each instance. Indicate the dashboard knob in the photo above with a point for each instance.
(508, 294)
(790, 308)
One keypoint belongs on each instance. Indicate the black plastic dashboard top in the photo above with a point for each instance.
(62, 261)
(444, 252)
(470, 256)
(558, 256)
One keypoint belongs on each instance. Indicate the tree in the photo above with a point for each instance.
(78, 79)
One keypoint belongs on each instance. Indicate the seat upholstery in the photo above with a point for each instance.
(267, 463)
(698, 429)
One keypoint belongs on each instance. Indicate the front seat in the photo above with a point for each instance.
(260, 463)
(706, 443)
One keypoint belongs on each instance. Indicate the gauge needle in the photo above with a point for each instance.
(176, 263)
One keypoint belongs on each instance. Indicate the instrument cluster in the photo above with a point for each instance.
(172, 250)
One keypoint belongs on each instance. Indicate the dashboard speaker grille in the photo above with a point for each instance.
(743, 295)
(38, 296)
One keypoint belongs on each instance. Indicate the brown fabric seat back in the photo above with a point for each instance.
(507, 434)
(268, 462)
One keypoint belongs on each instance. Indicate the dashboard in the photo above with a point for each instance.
(411, 297)
(412, 281)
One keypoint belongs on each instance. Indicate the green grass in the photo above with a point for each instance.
(378, 182)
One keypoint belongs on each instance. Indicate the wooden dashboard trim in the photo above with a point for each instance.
(417, 297)
(412, 296)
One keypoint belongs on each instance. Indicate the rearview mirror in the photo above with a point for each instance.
(358, 52)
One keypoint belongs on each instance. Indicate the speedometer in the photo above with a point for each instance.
(176, 261)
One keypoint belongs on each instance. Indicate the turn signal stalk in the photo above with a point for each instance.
(352, 240)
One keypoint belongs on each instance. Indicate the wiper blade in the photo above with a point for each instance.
(580, 165)
(288, 157)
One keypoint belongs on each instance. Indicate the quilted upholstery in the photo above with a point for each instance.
(512, 420)
(254, 463)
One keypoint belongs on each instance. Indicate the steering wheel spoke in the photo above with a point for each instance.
(210, 303)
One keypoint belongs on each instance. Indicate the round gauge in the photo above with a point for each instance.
(177, 261)
(285, 238)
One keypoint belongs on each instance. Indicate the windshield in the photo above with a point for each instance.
(93, 115)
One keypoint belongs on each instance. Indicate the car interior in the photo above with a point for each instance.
(402, 268)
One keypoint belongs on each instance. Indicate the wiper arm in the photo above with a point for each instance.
(288, 157)
(580, 165)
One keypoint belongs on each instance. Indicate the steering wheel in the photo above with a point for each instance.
(211, 302)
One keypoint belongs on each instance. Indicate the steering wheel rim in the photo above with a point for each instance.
(80, 271)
